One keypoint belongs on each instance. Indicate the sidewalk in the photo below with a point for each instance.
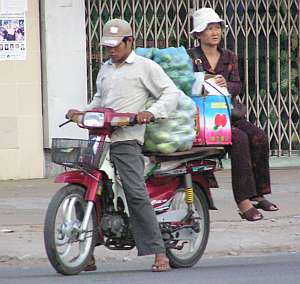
(23, 204)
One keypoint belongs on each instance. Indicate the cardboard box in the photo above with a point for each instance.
(213, 126)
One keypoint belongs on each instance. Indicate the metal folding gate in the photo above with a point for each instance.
(264, 34)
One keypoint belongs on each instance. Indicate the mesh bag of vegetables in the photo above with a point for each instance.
(176, 133)
(175, 62)
(145, 52)
(178, 65)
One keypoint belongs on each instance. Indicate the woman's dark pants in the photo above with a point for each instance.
(249, 161)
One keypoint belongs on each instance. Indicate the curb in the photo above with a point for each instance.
(275, 162)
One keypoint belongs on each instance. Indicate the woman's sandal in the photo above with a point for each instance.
(251, 215)
(160, 267)
(266, 205)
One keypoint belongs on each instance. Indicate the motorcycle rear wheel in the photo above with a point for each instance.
(194, 248)
(67, 254)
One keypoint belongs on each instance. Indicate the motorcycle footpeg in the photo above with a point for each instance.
(196, 227)
(188, 216)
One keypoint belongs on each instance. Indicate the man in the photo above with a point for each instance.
(125, 83)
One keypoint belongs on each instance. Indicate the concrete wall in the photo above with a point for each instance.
(21, 129)
(64, 70)
(64, 65)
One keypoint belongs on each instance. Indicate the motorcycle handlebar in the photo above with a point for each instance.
(133, 122)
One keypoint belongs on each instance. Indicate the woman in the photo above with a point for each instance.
(250, 148)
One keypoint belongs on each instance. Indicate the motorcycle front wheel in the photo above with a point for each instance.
(195, 243)
(67, 251)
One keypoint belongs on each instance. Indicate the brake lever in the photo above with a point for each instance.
(152, 119)
(66, 122)
(133, 120)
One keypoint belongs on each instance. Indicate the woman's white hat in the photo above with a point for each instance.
(203, 17)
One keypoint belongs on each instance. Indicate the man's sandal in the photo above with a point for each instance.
(266, 205)
(161, 267)
(91, 266)
(251, 215)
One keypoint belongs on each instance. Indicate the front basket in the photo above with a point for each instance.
(77, 153)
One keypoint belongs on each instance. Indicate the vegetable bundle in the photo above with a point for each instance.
(176, 133)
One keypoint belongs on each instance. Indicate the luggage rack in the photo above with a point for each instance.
(199, 152)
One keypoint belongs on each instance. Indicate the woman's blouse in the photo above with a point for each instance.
(227, 66)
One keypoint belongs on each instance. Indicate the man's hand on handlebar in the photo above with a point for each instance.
(144, 117)
(71, 113)
(74, 115)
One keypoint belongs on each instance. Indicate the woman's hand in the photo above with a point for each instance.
(220, 81)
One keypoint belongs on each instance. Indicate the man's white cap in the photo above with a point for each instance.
(114, 31)
(203, 17)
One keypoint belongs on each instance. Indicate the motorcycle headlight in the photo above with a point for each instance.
(93, 119)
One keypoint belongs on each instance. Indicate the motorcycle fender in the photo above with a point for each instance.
(205, 184)
(107, 168)
(79, 177)
(212, 181)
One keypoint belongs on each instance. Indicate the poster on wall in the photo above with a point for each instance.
(12, 37)
(13, 6)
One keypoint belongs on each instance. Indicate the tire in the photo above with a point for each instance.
(66, 253)
(194, 249)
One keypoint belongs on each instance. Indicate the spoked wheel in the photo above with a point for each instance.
(68, 251)
(193, 241)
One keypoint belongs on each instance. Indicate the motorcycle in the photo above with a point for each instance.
(91, 209)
